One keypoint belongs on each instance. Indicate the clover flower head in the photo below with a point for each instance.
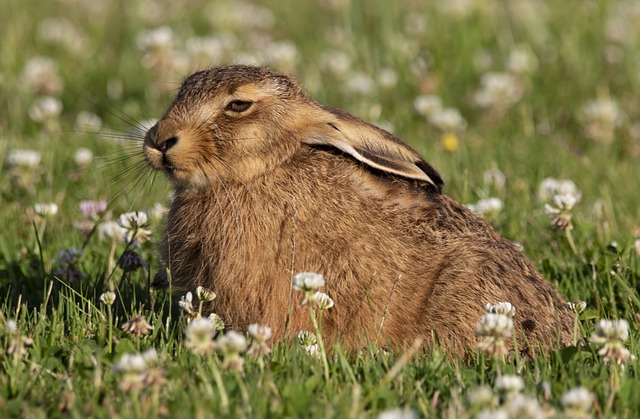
(306, 338)
(216, 321)
(307, 281)
(259, 336)
(186, 303)
(108, 298)
(111, 230)
(612, 334)
(577, 306)
(487, 207)
(137, 326)
(45, 210)
(134, 223)
(427, 105)
(503, 307)
(494, 329)
(448, 120)
(46, 108)
(509, 384)
(205, 294)
(231, 345)
(200, 333)
(93, 210)
(259, 333)
(28, 159)
(521, 406)
(550, 187)
(322, 301)
(561, 213)
(482, 396)
(577, 403)
(83, 157)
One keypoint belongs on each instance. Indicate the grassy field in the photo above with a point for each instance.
(497, 95)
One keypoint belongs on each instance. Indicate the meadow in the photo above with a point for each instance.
(528, 108)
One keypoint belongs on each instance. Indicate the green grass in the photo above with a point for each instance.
(68, 368)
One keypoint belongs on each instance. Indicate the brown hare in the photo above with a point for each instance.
(269, 183)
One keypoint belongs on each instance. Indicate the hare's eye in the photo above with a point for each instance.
(238, 105)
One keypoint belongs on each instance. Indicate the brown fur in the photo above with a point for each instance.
(291, 185)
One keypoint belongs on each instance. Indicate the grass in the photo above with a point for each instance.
(101, 65)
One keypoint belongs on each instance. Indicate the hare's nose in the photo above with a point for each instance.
(167, 144)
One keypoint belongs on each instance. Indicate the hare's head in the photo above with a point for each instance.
(238, 122)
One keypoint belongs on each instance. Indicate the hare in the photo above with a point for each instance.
(268, 183)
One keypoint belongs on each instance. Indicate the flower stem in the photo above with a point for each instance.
(323, 351)
(572, 244)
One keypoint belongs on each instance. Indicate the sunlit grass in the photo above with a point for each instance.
(498, 96)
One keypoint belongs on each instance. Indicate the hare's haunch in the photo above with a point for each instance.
(269, 183)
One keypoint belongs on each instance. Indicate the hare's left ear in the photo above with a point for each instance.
(371, 145)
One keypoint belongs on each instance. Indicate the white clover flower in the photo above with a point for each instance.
(40, 75)
(498, 91)
(131, 363)
(482, 396)
(45, 210)
(487, 207)
(502, 307)
(336, 62)
(12, 326)
(216, 321)
(397, 413)
(133, 220)
(157, 211)
(607, 330)
(282, 54)
(494, 329)
(259, 333)
(111, 230)
(306, 338)
(83, 157)
(134, 223)
(231, 342)
(577, 403)
(307, 281)
(577, 306)
(561, 214)
(492, 414)
(231, 345)
(186, 303)
(612, 334)
(205, 294)
(138, 326)
(323, 301)
(427, 105)
(200, 333)
(494, 177)
(523, 407)
(313, 350)
(108, 298)
(360, 83)
(387, 78)
(45, 109)
(510, 384)
(447, 120)
(23, 158)
(63, 32)
(88, 121)
(551, 187)
(600, 118)
(522, 61)
(93, 210)
(155, 39)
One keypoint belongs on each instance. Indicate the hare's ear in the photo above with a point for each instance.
(371, 145)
